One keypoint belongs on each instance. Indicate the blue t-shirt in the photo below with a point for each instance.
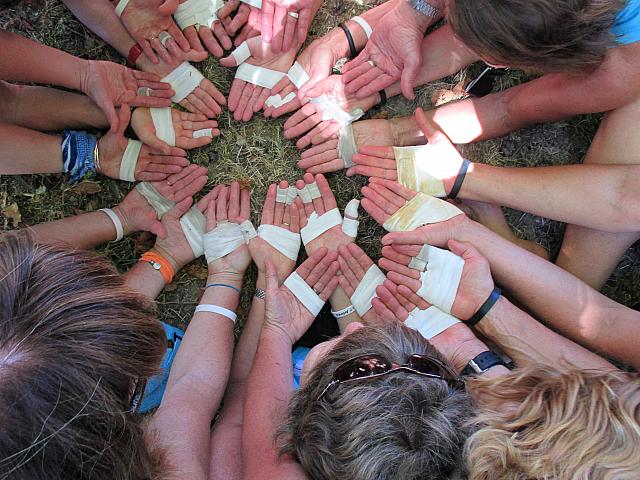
(627, 26)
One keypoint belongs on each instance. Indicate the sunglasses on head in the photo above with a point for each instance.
(373, 366)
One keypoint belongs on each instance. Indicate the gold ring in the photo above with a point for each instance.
(372, 63)
(285, 223)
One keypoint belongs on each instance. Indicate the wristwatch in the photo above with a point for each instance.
(260, 294)
(424, 8)
(481, 363)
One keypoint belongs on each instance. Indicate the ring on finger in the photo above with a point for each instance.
(317, 289)
(144, 91)
(372, 63)
(164, 38)
(293, 14)
(286, 224)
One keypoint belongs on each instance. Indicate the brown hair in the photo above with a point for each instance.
(73, 341)
(399, 426)
(540, 36)
(562, 425)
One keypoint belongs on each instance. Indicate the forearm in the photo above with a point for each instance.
(27, 151)
(24, 60)
(339, 300)
(268, 392)
(145, 280)
(562, 301)
(602, 197)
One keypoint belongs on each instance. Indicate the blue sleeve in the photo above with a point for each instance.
(627, 26)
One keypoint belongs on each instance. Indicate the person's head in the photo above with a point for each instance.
(397, 426)
(541, 36)
(73, 342)
(565, 425)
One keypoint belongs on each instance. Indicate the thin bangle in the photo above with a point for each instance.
(485, 307)
(223, 285)
(353, 51)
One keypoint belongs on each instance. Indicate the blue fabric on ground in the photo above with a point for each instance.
(627, 26)
(297, 357)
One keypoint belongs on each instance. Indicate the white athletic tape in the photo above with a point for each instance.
(347, 147)
(248, 231)
(364, 24)
(253, 3)
(314, 191)
(184, 79)
(116, 222)
(130, 161)
(304, 293)
(366, 291)
(421, 172)
(283, 240)
(304, 194)
(420, 261)
(225, 312)
(193, 222)
(197, 13)
(163, 123)
(222, 240)
(282, 194)
(298, 75)
(241, 53)
(317, 225)
(430, 322)
(276, 101)
(291, 196)
(263, 77)
(421, 210)
(205, 132)
(122, 4)
(332, 111)
(441, 280)
(350, 222)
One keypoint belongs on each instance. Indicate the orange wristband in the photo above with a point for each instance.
(158, 262)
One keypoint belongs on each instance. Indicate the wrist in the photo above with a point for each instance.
(420, 13)
(123, 215)
(276, 333)
(230, 278)
(164, 253)
(465, 351)
(83, 76)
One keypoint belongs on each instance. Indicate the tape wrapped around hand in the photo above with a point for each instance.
(241, 53)
(263, 77)
(163, 123)
(318, 224)
(430, 322)
(421, 210)
(421, 172)
(184, 79)
(284, 241)
(197, 13)
(439, 283)
(347, 146)
(222, 240)
(298, 75)
(350, 222)
(304, 293)
(130, 161)
(334, 112)
(276, 101)
(419, 262)
(366, 290)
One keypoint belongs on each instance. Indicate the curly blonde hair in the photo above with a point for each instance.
(561, 425)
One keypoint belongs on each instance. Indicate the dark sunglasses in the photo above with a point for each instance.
(483, 84)
(372, 366)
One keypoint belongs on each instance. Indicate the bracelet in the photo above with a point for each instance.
(159, 263)
(457, 185)
(116, 222)
(134, 54)
(223, 285)
(424, 8)
(260, 294)
(383, 98)
(485, 307)
(364, 24)
(122, 4)
(225, 312)
(353, 51)
(344, 312)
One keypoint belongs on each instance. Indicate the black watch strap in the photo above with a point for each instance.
(481, 363)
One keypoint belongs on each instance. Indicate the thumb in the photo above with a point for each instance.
(408, 79)
(240, 55)
(110, 111)
(464, 250)
(168, 7)
(124, 116)
(429, 128)
(158, 229)
(271, 276)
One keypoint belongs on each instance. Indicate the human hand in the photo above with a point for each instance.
(284, 313)
(476, 283)
(152, 164)
(280, 27)
(146, 19)
(174, 246)
(394, 52)
(280, 215)
(244, 25)
(206, 28)
(185, 125)
(110, 85)
(354, 263)
(332, 238)
(310, 117)
(247, 98)
(231, 204)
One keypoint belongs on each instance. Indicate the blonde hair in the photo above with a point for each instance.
(563, 425)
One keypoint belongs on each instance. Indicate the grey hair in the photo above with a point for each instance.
(399, 426)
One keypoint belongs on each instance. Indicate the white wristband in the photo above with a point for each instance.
(122, 4)
(304, 293)
(116, 222)
(344, 312)
(225, 312)
(364, 24)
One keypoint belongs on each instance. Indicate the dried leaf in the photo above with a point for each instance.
(86, 187)
(199, 271)
(12, 212)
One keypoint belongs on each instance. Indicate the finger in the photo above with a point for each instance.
(360, 256)
(379, 152)
(393, 186)
(344, 283)
(319, 268)
(408, 77)
(259, 103)
(305, 269)
(289, 32)
(407, 250)
(110, 111)
(308, 206)
(247, 91)
(328, 146)
(412, 298)
(148, 176)
(148, 51)
(295, 216)
(222, 36)
(170, 167)
(235, 93)
(209, 197)
(304, 21)
(328, 199)
(278, 214)
(289, 107)
(213, 92)
(327, 167)
(190, 184)
(366, 160)
(399, 279)
(212, 45)
(199, 105)
(329, 131)
(430, 129)
(352, 65)
(271, 278)
(370, 194)
(193, 38)
(268, 209)
(377, 213)
(300, 116)
(396, 201)
(178, 209)
(318, 204)
(211, 215)
(382, 81)
(371, 171)
(266, 27)
(245, 204)
(394, 255)
(221, 204)
(205, 97)
(162, 52)
(239, 20)
(391, 303)
(328, 279)
(179, 38)
(279, 19)
(345, 260)
(227, 9)
(234, 201)
(382, 310)
(392, 266)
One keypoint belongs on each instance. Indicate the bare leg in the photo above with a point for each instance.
(592, 255)
(43, 108)
(28, 151)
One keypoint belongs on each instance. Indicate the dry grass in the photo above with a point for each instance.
(257, 151)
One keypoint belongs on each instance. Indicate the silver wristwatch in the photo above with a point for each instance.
(260, 293)
(424, 8)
